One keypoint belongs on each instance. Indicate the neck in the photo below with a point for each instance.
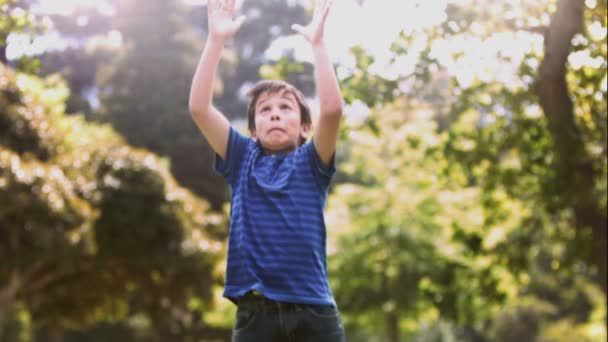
(269, 151)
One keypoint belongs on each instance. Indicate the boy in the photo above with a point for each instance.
(276, 271)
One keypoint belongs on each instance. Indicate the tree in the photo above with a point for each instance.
(92, 229)
(15, 19)
(497, 142)
(580, 183)
(411, 231)
(178, 35)
(549, 162)
(89, 44)
(144, 91)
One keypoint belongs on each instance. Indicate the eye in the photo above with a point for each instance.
(285, 107)
(265, 109)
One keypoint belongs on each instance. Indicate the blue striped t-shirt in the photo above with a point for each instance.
(276, 243)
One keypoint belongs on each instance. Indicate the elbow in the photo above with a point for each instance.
(334, 110)
(195, 110)
(332, 107)
(195, 114)
(192, 107)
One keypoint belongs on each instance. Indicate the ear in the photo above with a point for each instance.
(254, 134)
(305, 130)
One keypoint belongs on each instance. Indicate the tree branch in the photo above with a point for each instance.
(7, 296)
(9, 292)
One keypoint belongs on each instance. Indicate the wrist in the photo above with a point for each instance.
(318, 44)
(216, 40)
(319, 48)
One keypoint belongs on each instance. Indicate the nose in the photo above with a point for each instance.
(275, 115)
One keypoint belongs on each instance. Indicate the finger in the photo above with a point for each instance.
(317, 9)
(326, 11)
(298, 28)
(239, 22)
(230, 6)
(216, 5)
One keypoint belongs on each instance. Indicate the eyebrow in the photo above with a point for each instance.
(284, 96)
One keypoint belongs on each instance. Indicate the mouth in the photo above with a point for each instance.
(276, 129)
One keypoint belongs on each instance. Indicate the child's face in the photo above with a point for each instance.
(278, 124)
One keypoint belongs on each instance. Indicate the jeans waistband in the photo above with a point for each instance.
(255, 300)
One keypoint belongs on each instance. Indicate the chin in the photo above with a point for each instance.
(278, 146)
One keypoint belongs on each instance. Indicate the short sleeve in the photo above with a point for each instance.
(322, 172)
(235, 153)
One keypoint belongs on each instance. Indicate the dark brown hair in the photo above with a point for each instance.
(275, 86)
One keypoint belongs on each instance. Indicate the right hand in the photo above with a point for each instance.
(221, 22)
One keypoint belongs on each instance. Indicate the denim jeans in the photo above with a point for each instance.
(259, 319)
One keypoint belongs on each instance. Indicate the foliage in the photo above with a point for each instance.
(452, 216)
(82, 210)
(411, 226)
(143, 90)
(493, 141)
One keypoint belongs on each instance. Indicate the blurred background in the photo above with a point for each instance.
(469, 203)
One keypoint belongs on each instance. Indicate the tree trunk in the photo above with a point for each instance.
(576, 177)
(3, 58)
(7, 298)
(56, 334)
(392, 321)
(3, 312)
(219, 334)
(470, 334)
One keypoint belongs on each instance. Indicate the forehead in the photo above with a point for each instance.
(276, 95)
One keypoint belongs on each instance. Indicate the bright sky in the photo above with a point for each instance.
(372, 24)
(67, 7)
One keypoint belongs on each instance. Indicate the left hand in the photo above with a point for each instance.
(314, 31)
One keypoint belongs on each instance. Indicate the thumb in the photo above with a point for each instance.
(239, 21)
(298, 28)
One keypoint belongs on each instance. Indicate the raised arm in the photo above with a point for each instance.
(213, 124)
(325, 133)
